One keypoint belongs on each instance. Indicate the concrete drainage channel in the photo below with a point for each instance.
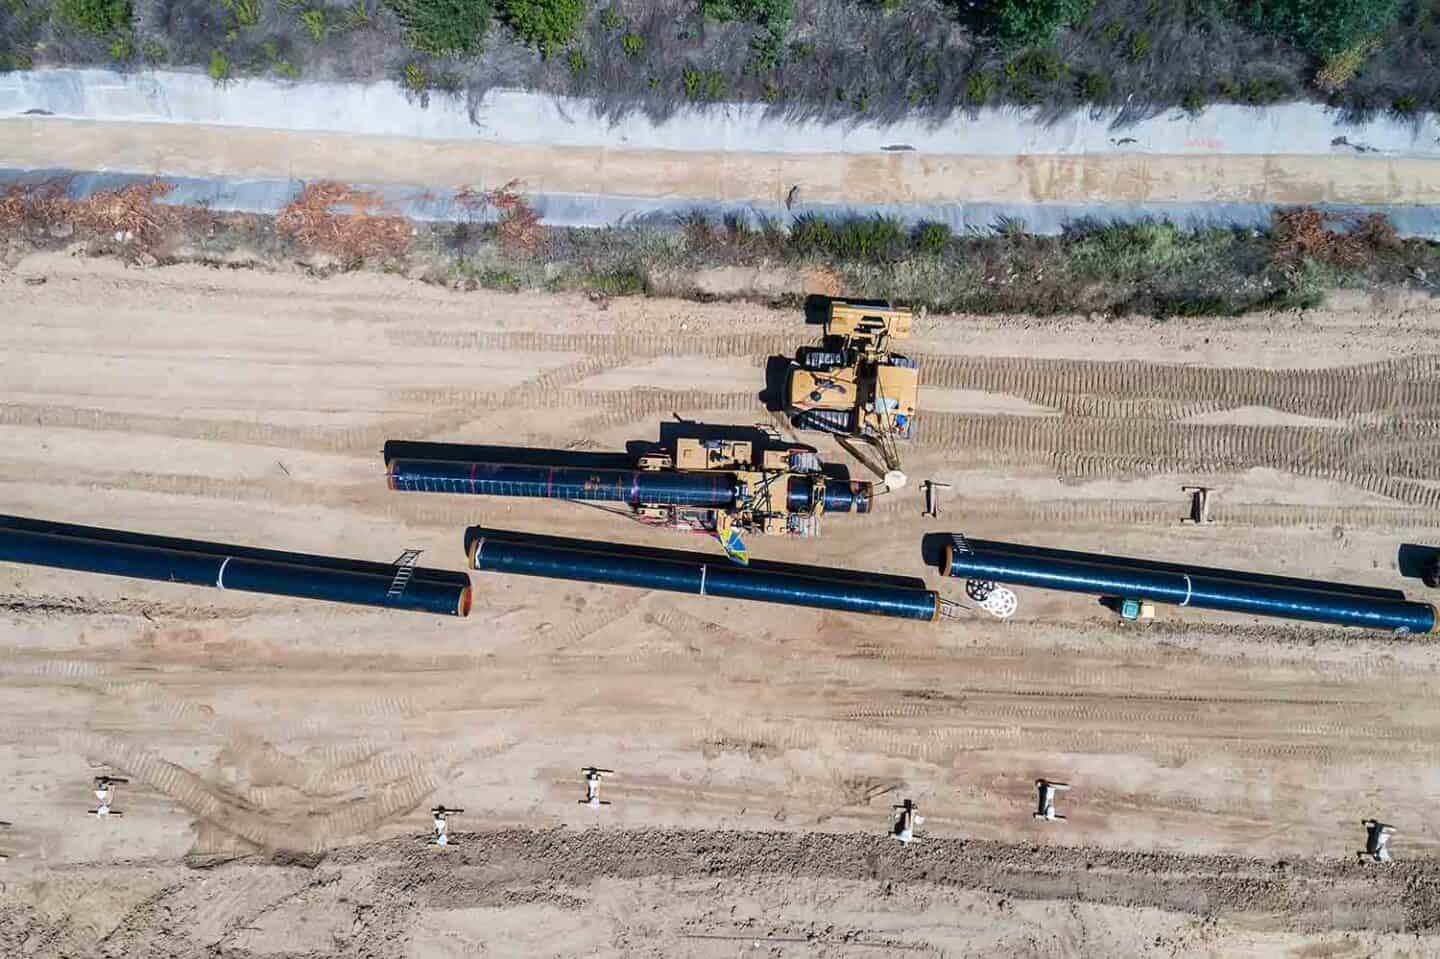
(429, 205)
(249, 146)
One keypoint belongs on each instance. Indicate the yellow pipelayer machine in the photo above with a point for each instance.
(852, 385)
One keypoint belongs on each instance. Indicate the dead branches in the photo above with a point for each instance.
(312, 221)
(517, 227)
(1304, 233)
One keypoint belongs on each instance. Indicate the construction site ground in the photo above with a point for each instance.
(282, 755)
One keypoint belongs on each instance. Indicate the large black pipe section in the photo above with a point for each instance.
(197, 563)
(1179, 585)
(1017, 549)
(714, 490)
(561, 482)
(699, 574)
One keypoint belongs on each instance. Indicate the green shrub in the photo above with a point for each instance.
(120, 48)
(766, 50)
(770, 92)
(1262, 90)
(1024, 22)
(633, 44)
(1139, 46)
(357, 15)
(1095, 87)
(219, 66)
(978, 87)
(1340, 68)
(860, 239)
(870, 238)
(932, 237)
(773, 17)
(1194, 100)
(416, 79)
(1042, 65)
(444, 27)
(576, 62)
(246, 12)
(1145, 250)
(153, 51)
(93, 16)
(716, 86)
(20, 60)
(610, 19)
(1405, 105)
(763, 12)
(548, 24)
(690, 79)
(811, 234)
(1323, 27)
(314, 20)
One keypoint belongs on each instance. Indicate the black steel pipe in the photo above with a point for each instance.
(1022, 549)
(429, 591)
(698, 574)
(1201, 587)
(456, 577)
(714, 490)
(559, 482)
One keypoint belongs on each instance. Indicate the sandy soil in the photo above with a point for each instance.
(194, 150)
(283, 754)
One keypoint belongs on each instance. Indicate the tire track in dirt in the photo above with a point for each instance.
(1081, 449)
(628, 345)
(943, 744)
(314, 831)
(43, 606)
(624, 408)
(252, 433)
(1107, 514)
(693, 630)
(1075, 386)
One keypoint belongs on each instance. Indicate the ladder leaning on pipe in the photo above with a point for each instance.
(404, 570)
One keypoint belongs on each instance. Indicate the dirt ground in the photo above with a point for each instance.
(283, 754)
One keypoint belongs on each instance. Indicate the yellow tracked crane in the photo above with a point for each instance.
(852, 385)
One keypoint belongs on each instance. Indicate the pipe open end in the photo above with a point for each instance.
(474, 556)
(463, 609)
(390, 474)
(861, 492)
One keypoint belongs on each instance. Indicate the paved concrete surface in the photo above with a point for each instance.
(512, 116)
